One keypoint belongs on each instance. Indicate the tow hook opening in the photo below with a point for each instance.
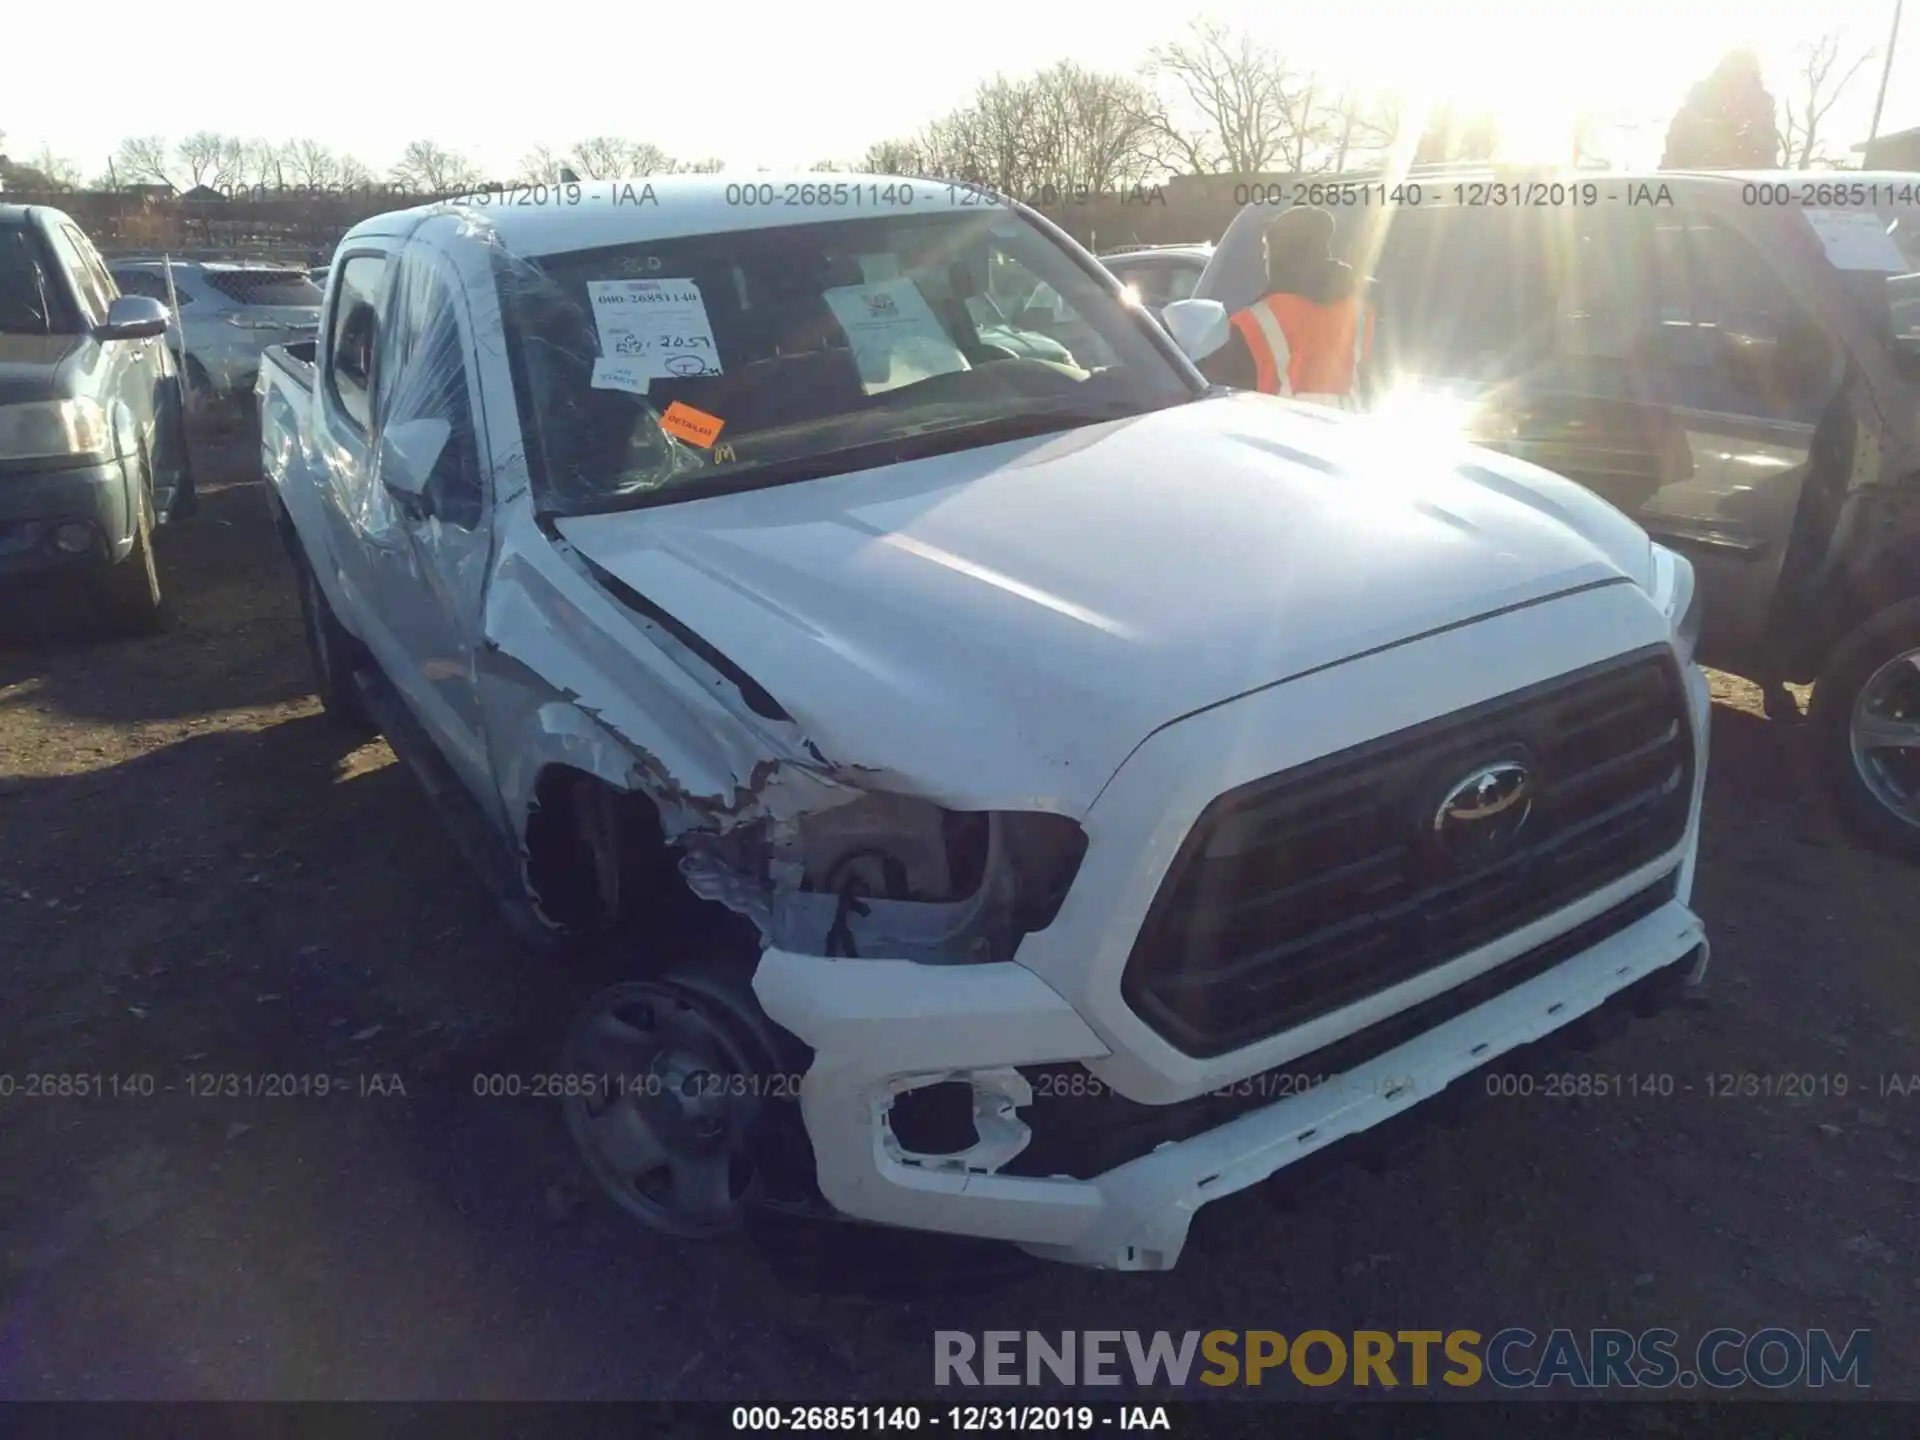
(958, 1122)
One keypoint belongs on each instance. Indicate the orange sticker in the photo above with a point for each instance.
(696, 427)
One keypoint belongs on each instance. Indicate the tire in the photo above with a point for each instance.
(334, 654)
(127, 599)
(186, 498)
(674, 1093)
(196, 384)
(1873, 680)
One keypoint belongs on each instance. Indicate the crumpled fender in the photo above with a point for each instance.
(569, 676)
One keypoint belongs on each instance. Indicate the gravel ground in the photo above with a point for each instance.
(197, 877)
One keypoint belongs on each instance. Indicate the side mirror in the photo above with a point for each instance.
(408, 453)
(134, 317)
(1198, 327)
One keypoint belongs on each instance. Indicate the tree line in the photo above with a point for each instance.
(1215, 101)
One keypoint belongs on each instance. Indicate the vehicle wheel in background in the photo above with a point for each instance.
(335, 655)
(186, 496)
(1866, 724)
(126, 597)
(198, 384)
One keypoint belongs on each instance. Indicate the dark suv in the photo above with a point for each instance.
(1731, 359)
(93, 452)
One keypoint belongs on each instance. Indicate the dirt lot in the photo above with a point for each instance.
(196, 877)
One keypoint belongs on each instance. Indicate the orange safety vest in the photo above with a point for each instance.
(1307, 350)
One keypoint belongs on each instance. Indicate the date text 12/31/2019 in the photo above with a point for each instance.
(962, 1419)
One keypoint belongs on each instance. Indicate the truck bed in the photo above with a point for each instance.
(296, 359)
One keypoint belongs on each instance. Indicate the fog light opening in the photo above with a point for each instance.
(74, 537)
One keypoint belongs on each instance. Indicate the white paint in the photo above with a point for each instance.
(1001, 627)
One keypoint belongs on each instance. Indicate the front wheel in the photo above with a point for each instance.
(1866, 720)
(126, 597)
(663, 1081)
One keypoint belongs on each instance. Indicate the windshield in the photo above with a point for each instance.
(266, 287)
(664, 370)
(31, 299)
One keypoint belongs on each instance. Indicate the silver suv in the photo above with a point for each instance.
(228, 313)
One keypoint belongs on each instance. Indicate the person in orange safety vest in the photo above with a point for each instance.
(1310, 335)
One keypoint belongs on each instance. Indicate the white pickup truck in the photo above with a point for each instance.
(1134, 789)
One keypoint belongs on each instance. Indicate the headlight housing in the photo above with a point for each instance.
(1679, 597)
(54, 429)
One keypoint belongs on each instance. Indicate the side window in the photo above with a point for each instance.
(355, 331)
(93, 301)
(421, 374)
(1729, 329)
(1462, 291)
(101, 291)
(96, 267)
(142, 282)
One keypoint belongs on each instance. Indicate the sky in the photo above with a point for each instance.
(783, 87)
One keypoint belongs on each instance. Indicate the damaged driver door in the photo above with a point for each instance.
(427, 574)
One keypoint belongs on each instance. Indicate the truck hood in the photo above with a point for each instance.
(999, 628)
(31, 366)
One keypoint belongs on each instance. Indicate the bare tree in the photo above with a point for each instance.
(602, 157)
(308, 162)
(428, 168)
(542, 165)
(712, 165)
(1819, 82)
(1243, 101)
(143, 160)
(1092, 132)
(263, 163)
(895, 157)
(1360, 127)
(350, 174)
(210, 158)
(62, 173)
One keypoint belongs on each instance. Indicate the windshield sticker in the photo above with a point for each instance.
(660, 327)
(696, 427)
(1858, 240)
(619, 375)
(895, 335)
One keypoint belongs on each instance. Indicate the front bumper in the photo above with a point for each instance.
(1135, 1216)
(880, 1028)
(34, 501)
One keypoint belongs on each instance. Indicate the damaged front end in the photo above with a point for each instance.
(630, 754)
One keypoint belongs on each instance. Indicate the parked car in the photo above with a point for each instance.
(1088, 754)
(93, 450)
(1157, 275)
(229, 313)
(1718, 355)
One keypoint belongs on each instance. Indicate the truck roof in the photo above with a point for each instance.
(560, 216)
